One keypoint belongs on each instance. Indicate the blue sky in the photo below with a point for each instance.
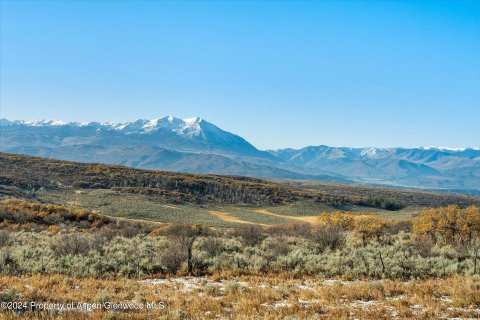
(280, 74)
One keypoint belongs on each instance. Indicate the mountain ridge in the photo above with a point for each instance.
(196, 145)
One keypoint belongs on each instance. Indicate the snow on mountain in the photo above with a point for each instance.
(449, 148)
(167, 122)
(371, 152)
(196, 126)
(188, 127)
(432, 167)
(36, 123)
(191, 134)
(46, 123)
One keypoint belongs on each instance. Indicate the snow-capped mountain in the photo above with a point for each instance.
(190, 127)
(196, 145)
(448, 168)
(182, 127)
(193, 134)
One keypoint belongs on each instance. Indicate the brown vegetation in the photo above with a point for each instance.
(23, 176)
(245, 297)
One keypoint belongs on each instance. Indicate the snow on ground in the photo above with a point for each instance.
(199, 284)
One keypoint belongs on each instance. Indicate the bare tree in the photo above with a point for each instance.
(186, 235)
(329, 236)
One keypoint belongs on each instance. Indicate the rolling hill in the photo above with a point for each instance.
(24, 176)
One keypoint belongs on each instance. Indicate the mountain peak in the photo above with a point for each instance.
(5, 122)
(193, 120)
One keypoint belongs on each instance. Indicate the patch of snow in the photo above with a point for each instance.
(308, 302)
(41, 123)
(399, 297)
(363, 304)
(282, 304)
(192, 127)
(193, 120)
(369, 152)
(304, 287)
(416, 309)
(332, 282)
(448, 148)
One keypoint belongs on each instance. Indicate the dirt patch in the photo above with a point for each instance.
(307, 219)
(225, 216)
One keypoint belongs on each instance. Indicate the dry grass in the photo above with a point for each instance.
(250, 297)
(308, 219)
(225, 216)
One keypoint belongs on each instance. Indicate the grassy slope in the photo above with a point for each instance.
(188, 198)
(144, 207)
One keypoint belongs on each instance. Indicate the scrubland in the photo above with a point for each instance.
(223, 247)
(344, 266)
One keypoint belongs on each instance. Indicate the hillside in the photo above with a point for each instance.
(25, 176)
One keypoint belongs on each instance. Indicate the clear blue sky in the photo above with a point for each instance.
(280, 74)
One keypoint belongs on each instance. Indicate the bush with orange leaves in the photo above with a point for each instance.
(25, 213)
(341, 219)
(449, 225)
(454, 226)
(367, 227)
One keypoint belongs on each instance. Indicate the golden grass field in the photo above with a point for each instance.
(229, 296)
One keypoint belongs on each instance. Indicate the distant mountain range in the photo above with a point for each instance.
(196, 145)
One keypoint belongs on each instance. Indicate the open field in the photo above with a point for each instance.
(343, 266)
(147, 207)
(170, 197)
(245, 297)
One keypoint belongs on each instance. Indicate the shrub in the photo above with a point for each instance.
(384, 203)
(212, 290)
(9, 295)
(232, 287)
(213, 246)
(275, 247)
(71, 244)
(172, 258)
(329, 236)
(423, 245)
(251, 234)
(4, 236)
